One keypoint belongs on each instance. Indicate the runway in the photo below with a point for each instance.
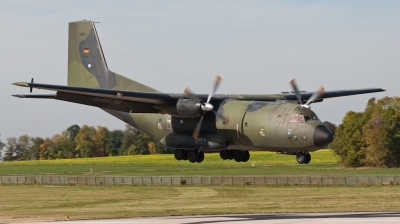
(302, 218)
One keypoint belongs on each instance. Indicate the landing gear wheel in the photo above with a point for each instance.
(193, 156)
(185, 154)
(308, 158)
(238, 156)
(200, 157)
(224, 154)
(300, 157)
(179, 154)
(246, 156)
(230, 154)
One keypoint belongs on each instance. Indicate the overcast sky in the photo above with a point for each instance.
(255, 46)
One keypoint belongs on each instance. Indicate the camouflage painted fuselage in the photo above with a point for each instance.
(253, 125)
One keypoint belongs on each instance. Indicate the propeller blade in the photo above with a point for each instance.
(196, 132)
(205, 106)
(187, 93)
(296, 90)
(316, 95)
(215, 87)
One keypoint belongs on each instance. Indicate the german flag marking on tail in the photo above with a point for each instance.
(86, 50)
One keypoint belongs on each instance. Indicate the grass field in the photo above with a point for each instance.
(266, 163)
(40, 202)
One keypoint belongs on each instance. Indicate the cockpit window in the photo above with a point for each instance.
(307, 117)
(297, 118)
(315, 118)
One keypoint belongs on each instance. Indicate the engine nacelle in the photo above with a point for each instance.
(188, 108)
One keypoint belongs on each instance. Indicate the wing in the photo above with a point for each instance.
(305, 96)
(146, 102)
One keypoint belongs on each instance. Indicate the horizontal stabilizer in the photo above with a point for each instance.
(36, 96)
(143, 97)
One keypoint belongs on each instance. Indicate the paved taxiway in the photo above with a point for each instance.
(302, 218)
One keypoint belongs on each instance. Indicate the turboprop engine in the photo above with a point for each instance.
(189, 108)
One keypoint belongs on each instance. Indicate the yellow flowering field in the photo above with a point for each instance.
(260, 163)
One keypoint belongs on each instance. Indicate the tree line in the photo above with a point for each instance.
(372, 137)
(82, 142)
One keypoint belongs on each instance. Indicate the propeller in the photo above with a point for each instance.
(205, 106)
(315, 95)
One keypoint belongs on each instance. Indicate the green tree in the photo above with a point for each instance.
(72, 132)
(350, 142)
(2, 145)
(128, 140)
(47, 150)
(35, 148)
(25, 145)
(65, 147)
(100, 140)
(114, 142)
(12, 150)
(85, 146)
(382, 134)
(370, 138)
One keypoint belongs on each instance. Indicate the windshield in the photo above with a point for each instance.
(315, 117)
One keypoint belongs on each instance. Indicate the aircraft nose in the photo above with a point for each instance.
(322, 136)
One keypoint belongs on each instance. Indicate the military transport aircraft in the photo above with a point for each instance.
(193, 123)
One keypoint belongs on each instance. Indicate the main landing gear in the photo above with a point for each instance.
(194, 156)
(303, 157)
(237, 155)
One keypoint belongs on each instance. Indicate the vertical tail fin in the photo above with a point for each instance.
(87, 66)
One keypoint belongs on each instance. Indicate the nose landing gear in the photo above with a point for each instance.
(303, 157)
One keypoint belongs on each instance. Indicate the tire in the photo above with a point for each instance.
(238, 156)
(179, 154)
(230, 154)
(246, 156)
(300, 157)
(308, 158)
(193, 156)
(200, 157)
(224, 154)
